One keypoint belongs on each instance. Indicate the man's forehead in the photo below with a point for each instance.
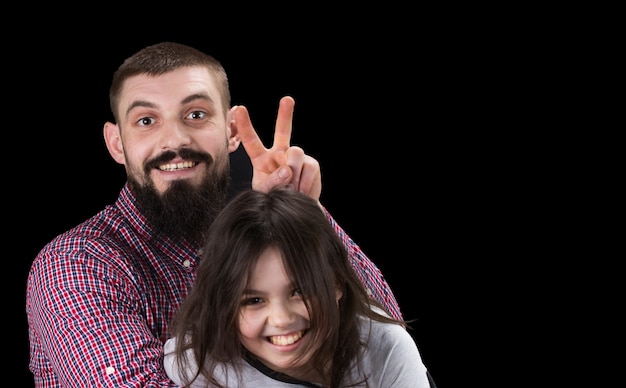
(171, 87)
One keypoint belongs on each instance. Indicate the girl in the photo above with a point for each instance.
(277, 304)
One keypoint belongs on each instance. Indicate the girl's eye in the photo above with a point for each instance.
(252, 301)
(297, 292)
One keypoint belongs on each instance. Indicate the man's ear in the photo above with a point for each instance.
(113, 141)
(231, 128)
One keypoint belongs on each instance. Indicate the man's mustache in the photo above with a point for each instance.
(184, 153)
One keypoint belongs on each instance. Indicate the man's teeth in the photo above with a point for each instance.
(176, 166)
(286, 339)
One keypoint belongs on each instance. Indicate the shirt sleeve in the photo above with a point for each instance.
(87, 327)
(170, 360)
(369, 274)
(395, 359)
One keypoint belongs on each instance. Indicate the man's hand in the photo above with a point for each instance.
(282, 165)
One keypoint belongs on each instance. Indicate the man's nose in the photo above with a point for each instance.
(174, 135)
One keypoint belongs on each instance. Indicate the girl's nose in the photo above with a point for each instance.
(280, 315)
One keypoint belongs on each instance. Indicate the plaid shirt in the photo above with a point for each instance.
(100, 297)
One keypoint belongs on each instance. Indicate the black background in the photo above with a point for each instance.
(392, 114)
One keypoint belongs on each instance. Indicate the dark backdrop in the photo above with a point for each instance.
(382, 113)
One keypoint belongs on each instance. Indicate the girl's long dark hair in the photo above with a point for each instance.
(315, 260)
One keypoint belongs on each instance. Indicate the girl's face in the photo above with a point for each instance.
(273, 319)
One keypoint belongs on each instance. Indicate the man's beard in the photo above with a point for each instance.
(184, 210)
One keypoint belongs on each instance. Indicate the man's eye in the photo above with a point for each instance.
(145, 121)
(196, 115)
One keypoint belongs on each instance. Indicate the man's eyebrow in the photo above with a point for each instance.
(135, 104)
(197, 96)
(186, 100)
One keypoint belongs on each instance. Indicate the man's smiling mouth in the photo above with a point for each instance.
(177, 166)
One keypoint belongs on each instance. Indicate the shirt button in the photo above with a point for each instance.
(186, 263)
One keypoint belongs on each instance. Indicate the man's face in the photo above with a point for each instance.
(173, 138)
(160, 116)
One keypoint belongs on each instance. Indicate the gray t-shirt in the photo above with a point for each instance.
(391, 360)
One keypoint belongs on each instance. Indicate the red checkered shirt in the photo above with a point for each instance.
(100, 297)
